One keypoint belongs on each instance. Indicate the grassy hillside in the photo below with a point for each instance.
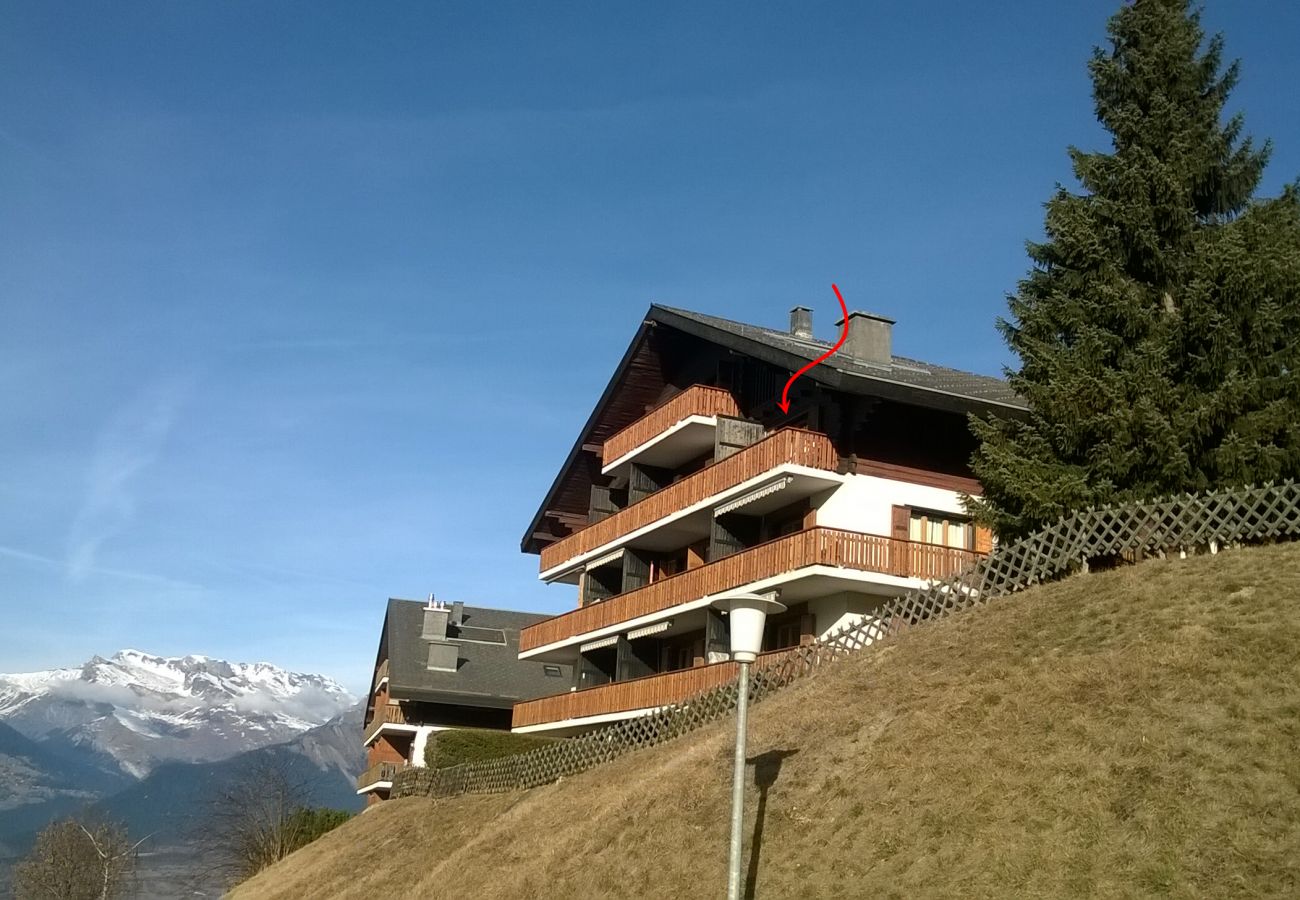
(1126, 734)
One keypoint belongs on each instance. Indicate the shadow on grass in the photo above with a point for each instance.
(767, 767)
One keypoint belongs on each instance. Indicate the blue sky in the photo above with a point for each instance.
(301, 305)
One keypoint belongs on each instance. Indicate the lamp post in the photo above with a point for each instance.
(746, 614)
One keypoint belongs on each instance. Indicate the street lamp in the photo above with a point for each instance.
(746, 614)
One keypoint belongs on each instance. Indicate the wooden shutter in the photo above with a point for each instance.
(983, 539)
(902, 522)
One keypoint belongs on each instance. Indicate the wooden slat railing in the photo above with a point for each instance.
(382, 771)
(381, 673)
(385, 714)
(696, 400)
(648, 692)
(814, 546)
(789, 445)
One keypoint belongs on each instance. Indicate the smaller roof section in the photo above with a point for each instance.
(474, 659)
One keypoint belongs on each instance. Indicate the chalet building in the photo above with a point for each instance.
(443, 666)
(689, 481)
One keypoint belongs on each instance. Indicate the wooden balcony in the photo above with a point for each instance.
(383, 771)
(385, 714)
(649, 692)
(814, 546)
(697, 400)
(381, 673)
(787, 446)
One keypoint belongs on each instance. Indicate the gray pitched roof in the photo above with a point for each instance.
(488, 674)
(907, 374)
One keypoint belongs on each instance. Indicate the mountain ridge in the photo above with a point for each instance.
(140, 709)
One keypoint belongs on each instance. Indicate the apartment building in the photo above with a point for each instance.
(688, 481)
(442, 666)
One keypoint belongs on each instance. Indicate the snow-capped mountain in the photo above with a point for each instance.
(135, 710)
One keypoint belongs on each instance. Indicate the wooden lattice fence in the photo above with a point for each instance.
(1184, 524)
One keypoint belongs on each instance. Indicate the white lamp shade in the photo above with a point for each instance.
(746, 615)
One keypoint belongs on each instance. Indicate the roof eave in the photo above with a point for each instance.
(528, 544)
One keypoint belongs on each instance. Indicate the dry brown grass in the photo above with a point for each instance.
(1126, 734)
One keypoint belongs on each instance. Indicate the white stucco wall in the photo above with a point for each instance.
(865, 503)
(421, 741)
(836, 611)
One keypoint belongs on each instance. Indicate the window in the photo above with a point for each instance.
(786, 635)
(685, 658)
(945, 529)
(552, 671)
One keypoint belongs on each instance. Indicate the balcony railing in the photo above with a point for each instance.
(648, 692)
(697, 400)
(789, 445)
(385, 714)
(381, 673)
(814, 546)
(383, 771)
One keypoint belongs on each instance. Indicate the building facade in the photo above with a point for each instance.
(442, 666)
(689, 480)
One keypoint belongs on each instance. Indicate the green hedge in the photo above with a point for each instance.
(464, 745)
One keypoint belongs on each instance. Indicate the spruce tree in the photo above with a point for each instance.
(1158, 331)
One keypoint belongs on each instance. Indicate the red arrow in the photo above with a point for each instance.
(785, 394)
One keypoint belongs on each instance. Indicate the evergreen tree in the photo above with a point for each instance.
(1157, 331)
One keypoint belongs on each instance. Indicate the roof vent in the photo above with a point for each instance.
(801, 322)
(443, 657)
(870, 338)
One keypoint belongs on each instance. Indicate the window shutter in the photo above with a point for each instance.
(902, 519)
(983, 539)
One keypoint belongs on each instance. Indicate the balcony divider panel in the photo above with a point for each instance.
(646, 480)
(734, 435)
(602, 504)
(636, 570)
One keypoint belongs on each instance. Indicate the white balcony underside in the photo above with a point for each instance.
(377, 786)
(798, 585)
(686, 525)
(567, 727)
(391, 728)
(688, 439)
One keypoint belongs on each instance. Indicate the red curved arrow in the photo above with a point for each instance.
(785, 394)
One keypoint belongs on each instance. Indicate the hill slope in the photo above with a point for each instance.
(1131, 733)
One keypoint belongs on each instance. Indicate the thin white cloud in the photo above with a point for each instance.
(129, 443)
(105, 571)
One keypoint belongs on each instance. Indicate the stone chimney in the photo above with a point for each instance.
(457, 613)
(801, 322)
(443, 654)
(870, 338)
(436, 617)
